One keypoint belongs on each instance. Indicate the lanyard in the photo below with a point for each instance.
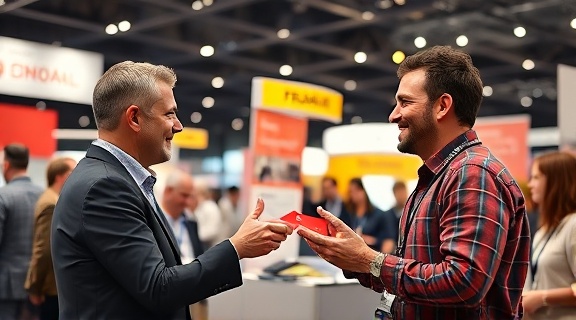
(413, 209)
(401, 248)
(534, 262)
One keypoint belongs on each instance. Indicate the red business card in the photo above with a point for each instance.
(319, 225)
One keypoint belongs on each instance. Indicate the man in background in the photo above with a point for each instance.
(230, 210)
(400, 195)
(331, 200)
(177, 191)
(17, 200)
(41, 282)
(208, 216)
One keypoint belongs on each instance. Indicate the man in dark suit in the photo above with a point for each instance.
(177, 191)
(331, 199)
(393, 214)
(114, 255)
(17, 200)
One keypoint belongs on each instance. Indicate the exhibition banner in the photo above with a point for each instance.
(29, 126)
(192, 138)
(297, 98)
(30, 69)
(507, 138)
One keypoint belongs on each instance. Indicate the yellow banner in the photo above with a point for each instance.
(192, 138)
(297, 98)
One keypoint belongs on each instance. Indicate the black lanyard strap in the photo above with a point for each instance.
(413, 209)
(534, 262)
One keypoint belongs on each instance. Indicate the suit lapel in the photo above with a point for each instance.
(103, 155)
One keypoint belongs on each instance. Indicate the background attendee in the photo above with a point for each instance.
(331, 199)
(464, 242)
(41, 282)
(17, 200)
(369, 222)
(548, 294)
(208, 216)
(114, 255)
(177, 191)
(400, 196)
(232, 216)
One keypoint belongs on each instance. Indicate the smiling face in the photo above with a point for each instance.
(159, 125)
(414, 114)
(537, 184)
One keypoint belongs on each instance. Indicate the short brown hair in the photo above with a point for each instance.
(449, 71)
(17, 155)
(124, 84)
(559, 197)
(57, 167)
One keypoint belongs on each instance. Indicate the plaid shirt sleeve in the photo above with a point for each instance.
(474, 216)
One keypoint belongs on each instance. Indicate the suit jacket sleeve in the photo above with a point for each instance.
(115, 229)
(41, 257)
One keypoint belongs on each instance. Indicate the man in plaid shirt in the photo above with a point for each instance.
(464, 239)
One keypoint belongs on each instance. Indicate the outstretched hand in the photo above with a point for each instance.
(343, 248)
(256, 238)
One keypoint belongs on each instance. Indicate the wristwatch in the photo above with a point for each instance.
(376, 265)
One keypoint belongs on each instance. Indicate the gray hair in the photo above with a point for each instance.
(124, 84)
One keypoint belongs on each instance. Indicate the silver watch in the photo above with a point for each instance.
(376, 265)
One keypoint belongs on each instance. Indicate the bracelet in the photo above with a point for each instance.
(544, 297)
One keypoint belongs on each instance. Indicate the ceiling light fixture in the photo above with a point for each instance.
(208, 102)
(111, 29)
(400, 2)
(286, 70)
(420, 42)
(237, 124)
(84, 121)
(196, 117)
(537, 93)
(360, 57)
(207, 3)
(526, 102)
(528, 64)
(398, 57)
(217, 82)
(519, 32)
(207, 51)
(124, 26)
(283, 33)
(385, 4)
(356, 119)
(197, 5)
(367, 15)
(462, 40)
(487, 91)
(573, 23)
(350, 85)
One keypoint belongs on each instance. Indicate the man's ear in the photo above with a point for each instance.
(444, 106)
(132, 117)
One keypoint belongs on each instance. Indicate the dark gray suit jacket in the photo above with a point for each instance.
(114, 257)
(17, 201)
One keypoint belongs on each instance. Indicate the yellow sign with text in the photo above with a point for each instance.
(297, 98)
(192, 138)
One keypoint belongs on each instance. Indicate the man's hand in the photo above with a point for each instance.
(257, 238)
(36, 299)
(344, 248)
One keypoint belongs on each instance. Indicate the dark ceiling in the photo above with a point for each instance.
(324, 36)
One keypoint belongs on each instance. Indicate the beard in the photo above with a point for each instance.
(419, 134)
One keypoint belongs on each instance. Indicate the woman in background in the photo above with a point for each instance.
(548, 293)
(376, 228)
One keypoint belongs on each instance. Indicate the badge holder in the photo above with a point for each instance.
(384, 309)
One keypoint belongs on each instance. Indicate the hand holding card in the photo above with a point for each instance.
(319, 225)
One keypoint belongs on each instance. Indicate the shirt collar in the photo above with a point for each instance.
(437, 162)
(143, 177)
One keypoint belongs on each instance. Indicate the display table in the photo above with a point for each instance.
(300, 300)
